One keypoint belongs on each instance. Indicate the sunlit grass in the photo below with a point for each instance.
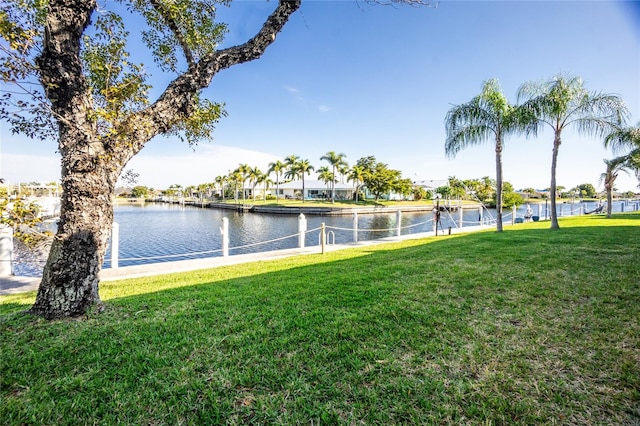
(528, 326)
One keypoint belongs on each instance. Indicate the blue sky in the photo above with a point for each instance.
(365, 80)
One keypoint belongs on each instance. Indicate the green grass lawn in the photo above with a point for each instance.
(529, 326)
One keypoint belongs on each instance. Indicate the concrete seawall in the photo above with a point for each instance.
(327, 211)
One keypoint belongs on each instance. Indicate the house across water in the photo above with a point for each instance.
(314, 190)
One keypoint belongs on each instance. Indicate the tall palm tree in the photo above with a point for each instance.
(303, 167)
(243, 171)
(235, 177)
(220, 182)
(564, 102)
(343, 170)
(335, 161)
(290, 163)
(277, 167)
(325, 175)
(264, 179)
(254, 175)
(487, 116)
(356, 175)
(614, 167)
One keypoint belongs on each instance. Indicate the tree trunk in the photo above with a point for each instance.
(69, 285)
(498, 184)
(552, 189)
(609, 200)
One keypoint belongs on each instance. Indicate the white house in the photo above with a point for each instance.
(313, 190)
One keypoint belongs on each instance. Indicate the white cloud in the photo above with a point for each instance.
(295, 93)
(323, 108)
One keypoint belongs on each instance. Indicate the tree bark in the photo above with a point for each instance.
(92, 163)
(498, 183)
(553, 189)
(609, 188)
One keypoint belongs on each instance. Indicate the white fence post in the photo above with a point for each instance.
(460, 214)
(480, 219)
(513, 215)
(6, 251)
(398, 222)
(115, 244)
(355, 227)
(302, 229)
(224, 231)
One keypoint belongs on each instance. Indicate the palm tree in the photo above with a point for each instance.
(614, 167)
(356, 175)
(325, 175)
(623, 137)
(254, 175)
(243, 171)
(634, 163)
(290, 163)
(277, 167)
(264, 178)
(627, 137)
(301, 168)
(487, 115)
(336, 161)
(220, 182)
(343, 169)
(457, 188)
(564, 102)
(202, 189)
(235, 177)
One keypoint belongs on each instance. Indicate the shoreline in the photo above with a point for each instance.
(320, 210)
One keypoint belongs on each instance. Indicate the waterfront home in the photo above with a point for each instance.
(314, 190)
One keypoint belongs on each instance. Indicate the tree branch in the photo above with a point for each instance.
(179, 97)
(253, 48)
(176, 31)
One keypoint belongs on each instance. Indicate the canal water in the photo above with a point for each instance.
(165, 232)
(153, 233)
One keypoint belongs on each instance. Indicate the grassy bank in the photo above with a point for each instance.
(529, 326)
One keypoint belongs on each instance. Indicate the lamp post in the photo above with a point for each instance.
(437, 213)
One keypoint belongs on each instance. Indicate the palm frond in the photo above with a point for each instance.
(622, 138)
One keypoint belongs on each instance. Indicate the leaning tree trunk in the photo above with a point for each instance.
(553, 189)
